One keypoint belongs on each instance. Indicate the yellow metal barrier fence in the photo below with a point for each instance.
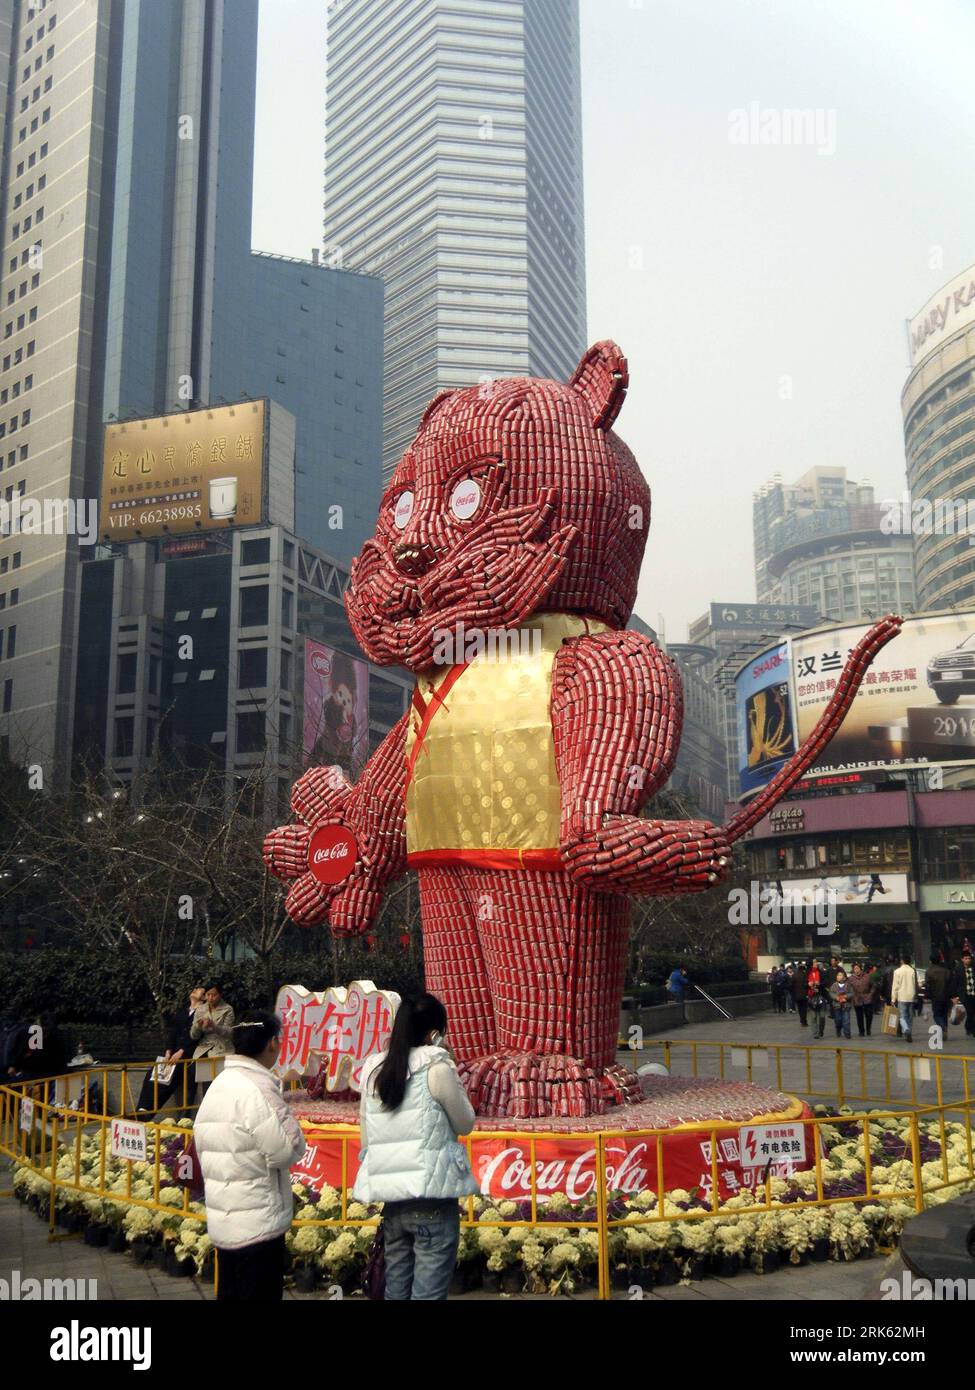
(55, 1143)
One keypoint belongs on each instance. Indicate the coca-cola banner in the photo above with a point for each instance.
(339, 1026)
(502, 1166)
(336, 705)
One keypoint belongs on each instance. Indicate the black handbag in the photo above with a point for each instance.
(374, 1274)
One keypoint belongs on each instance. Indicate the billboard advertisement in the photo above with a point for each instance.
(916, 704)
(195, 470)
(845, 890)
(951, 309)
(763, 714)
(336, 705)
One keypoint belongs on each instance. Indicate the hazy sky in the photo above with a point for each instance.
(758, 290)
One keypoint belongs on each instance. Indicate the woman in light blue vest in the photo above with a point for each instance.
(413, 1108)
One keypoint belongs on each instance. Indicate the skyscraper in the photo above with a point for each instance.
(128, 287)
(938, 404)
(819, 543)
(454, 171)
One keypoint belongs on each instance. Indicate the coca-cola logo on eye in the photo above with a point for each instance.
(403, 509)
(332, 854)
(321, 664)
(465, 499)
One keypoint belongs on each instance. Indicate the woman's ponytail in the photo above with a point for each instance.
(415, 1018)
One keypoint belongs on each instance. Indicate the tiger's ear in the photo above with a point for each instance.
(601, 380)
(435, 405)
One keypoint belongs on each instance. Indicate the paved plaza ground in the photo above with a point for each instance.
(771, 1050)
(24, 1243)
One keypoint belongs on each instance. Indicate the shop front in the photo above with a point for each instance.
(949, 915)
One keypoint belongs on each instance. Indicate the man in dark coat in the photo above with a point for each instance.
(179, 1044)
(965, 990)
(800, 985)
(939, 988)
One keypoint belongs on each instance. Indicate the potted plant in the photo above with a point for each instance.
(180, 1262)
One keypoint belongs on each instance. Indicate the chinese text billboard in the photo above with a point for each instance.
(336, 707)
(916, 704)
(195, 470)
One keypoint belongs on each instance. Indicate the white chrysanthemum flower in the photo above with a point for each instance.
(306, 1241)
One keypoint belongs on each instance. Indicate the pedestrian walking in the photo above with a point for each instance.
(413, 1109)
(819, 1000)
(886, 982)
(965, 990)
(800, 992)
(247, 1140)
(790, 998)
(863, 991)
(678, 983)
(939, 987)
(903, 993)
(842, 996)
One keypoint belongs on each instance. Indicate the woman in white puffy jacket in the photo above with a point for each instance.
(412, 1111)
(247, 1140)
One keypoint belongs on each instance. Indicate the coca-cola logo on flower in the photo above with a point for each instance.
(321, 664)
(332, 854)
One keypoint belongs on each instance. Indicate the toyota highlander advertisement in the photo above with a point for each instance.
(916, 704)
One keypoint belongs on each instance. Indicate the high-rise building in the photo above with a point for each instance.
(128, 288)
(938, 404)
(454, 171)
(820, 543)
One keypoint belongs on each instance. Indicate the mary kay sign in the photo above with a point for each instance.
(952, 308)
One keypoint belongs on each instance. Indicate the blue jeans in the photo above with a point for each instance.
(841, 1017)
(421, 1248)
(905, 1013)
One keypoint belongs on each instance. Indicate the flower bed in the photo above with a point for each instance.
(556, 1254)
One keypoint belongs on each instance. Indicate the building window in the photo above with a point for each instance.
(287, 608)
(252, 667)
(8, 696)
(255, 552)
(124, 737)
(11, 641)
(14, 597)
(127, 664)
(286, 671)
(250, 732)
(254, 606)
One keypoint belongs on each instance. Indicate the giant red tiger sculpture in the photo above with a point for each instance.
(514, 783)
